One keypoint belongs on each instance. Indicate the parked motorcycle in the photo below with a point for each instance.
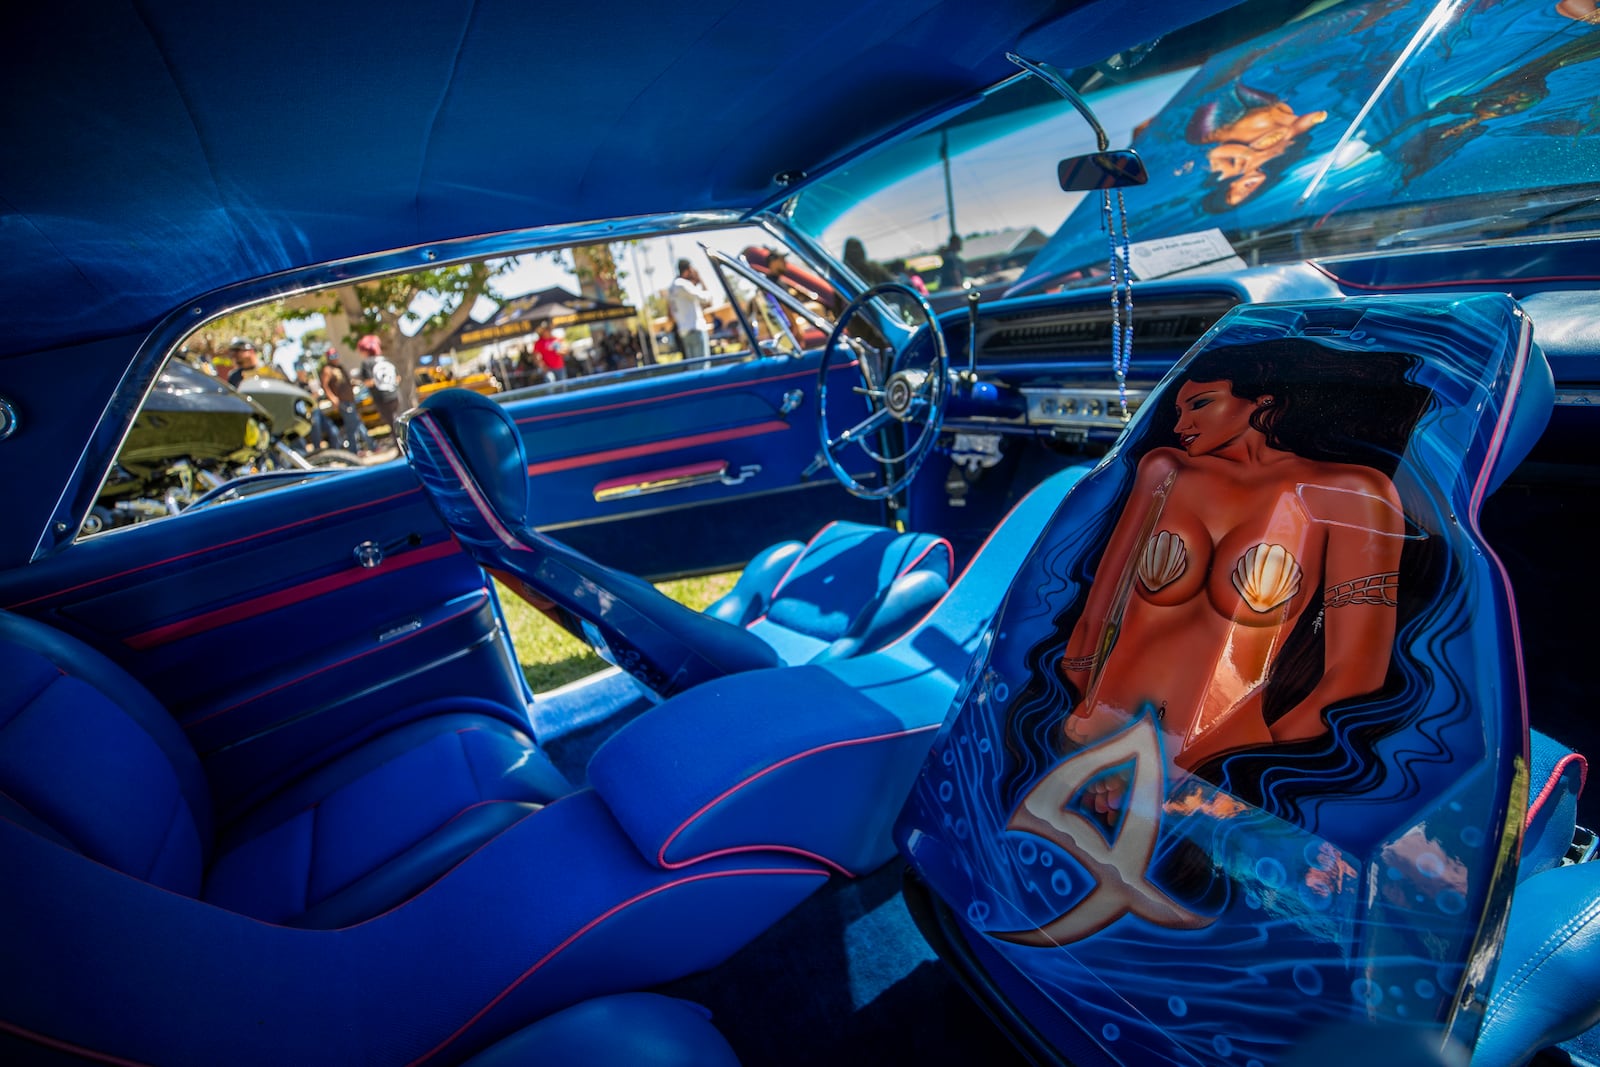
(196, 433)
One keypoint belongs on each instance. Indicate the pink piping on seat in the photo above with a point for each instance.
(585, 928)
(473, 493)
(661, 854)
(796, 561)
(1550, 784)
(546, 958)
(950, 558)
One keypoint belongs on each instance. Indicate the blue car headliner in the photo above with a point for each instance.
(160, 149)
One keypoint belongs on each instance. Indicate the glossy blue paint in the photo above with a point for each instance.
(1356, 878)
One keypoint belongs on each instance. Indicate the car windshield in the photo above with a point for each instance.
(1271, 133)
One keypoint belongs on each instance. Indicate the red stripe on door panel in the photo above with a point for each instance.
(256, 535)
(247, 609)
(590, 459)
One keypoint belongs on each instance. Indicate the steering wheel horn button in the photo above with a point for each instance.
(900, 395)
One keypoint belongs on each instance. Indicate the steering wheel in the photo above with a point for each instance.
(911, 394)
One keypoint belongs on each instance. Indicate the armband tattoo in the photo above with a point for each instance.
(1370, 589)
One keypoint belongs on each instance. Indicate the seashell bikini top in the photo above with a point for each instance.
(1263, 577)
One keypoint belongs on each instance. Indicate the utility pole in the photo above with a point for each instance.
(949, 194)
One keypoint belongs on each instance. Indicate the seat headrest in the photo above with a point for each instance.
(485, 438)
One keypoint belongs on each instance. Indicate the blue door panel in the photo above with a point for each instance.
(727, 418)
(172, 548)
(273, 647)
(455, 661)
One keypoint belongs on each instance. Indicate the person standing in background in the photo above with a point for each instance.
(380, 376)
(855, 257)
(340, 390)
(245, 361)
(687, 300)
(551, 355)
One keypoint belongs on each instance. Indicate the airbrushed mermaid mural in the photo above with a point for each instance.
(1236, 530)
(1250, 583)
(1227, 772)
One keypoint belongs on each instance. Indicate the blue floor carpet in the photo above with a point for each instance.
(846, 979)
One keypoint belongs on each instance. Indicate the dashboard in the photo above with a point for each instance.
(1045, 371)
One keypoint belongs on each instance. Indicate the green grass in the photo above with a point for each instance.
(551, 657)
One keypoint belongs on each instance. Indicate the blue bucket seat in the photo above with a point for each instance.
(413, 900)
(1245, 765)
(851, 590)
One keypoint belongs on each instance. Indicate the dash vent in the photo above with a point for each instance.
(1172, 325)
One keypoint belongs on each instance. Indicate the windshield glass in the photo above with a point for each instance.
(1271, 132)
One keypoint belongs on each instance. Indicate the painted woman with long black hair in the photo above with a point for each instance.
(1269, 521)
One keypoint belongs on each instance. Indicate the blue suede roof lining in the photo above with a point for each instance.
(162, 151)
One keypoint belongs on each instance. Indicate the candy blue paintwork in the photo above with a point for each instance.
(1368, 888)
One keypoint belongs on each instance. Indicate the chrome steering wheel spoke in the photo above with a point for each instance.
(910, 401)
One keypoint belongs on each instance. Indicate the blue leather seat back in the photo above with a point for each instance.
(1556, 780)
(490, 448)
(465, 449)
(1159, 849)
(89, 759)
(851, 590)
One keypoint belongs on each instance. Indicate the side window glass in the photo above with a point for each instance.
(227, 420)
(270, 395)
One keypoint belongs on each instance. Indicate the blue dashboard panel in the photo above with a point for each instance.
(1232, 772)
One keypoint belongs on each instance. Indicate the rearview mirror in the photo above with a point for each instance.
(1111, 169)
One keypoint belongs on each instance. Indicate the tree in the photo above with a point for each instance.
(383, 305)
(261, 325)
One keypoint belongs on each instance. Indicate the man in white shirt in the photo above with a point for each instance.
(687, 301)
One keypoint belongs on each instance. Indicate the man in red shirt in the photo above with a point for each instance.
(551, 355)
